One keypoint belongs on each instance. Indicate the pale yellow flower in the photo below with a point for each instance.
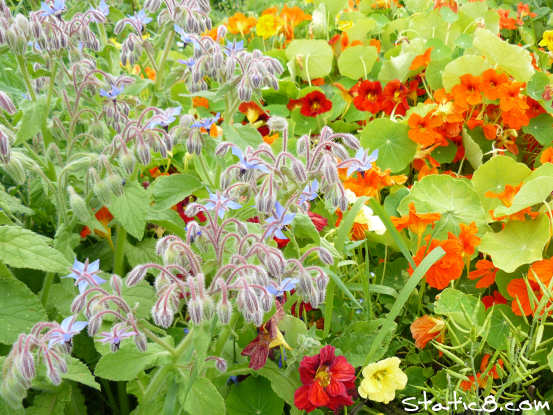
(268, 25)
(547, 39)
(381, 380)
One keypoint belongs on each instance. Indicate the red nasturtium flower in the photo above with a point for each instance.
(326, 379)
(495, 298)
(426, 328)
(315, 103)
(485, 270)
(394, 98)
(446, 269)
(367, 96)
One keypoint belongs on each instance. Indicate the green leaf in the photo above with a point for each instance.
(395, 149)
(513, 59)
(131, 209)
(79, 372)
(500, 329)
(304, 228)
(455, 199)
(458, 305)
(357, 61)
(517, 244)
(541, 128)
(51, 402)
(531, 193)
(167, 191)
(33, 119)
(142, 295)
(204, 398)
(473, 152)
(312, 58)
(332, 6)
(536, 86)
(283, 386)
(338, 281)
(292, 327)
(242, 135)
(20, 309)
(254, 396)
(402, 298)
(466, 64)
(22, 248)
(128, 362)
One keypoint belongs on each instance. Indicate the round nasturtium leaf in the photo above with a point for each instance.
(541, 128)
(312, 58)
(466, 64)
(252, 397)
(517, 244)
(357, 61)
(494, 174)
(531, 193)
(395, 149)
(455, 199)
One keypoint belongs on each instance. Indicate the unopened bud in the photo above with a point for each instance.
(143, 153)
(6, 103)
(27, 365)
(16, 170)
(277, 123)
(141, 342)
(78, 206)
(325, 256)
(224, 311)
(5, 148)
(136, 275)
(103, 192)
(221, 364)
(115, 183)
(195, 310)
(266, 302)
(54, 376)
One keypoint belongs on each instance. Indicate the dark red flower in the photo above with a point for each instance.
(327, 380)
(394, 98)
(319, 221)
(180, 207)
(496, 298)
(315, 103)
(367, 96)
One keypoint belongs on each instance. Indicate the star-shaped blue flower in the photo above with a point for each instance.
(68, 328)
(279, 220)
(221, 204)
(102, 8)
(245, 164)
(115, 335)
(111, 94)
(56, 9)
(309, 191)
(84, 274)
(185, 38)
(287, 284)
(166, 118)
(234, 47)
(207, 122)
(365, 161)
(188, 62)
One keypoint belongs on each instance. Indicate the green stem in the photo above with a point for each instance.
(51, 86)
(123, 398)
(156, 382)
(160, 341)
(161, 66)
(227, 330)
(111, 399)
(48, 280)
(119, 255)
(23, 67)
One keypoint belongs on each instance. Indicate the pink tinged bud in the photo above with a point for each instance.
(78, 304)
(141, 342)
(162, 313)
(94, 325)
(325, 256)
(6, 103)
(5, 148)
(136, 275)
(224, 311)
(266, 302)
(195, 310)
(116, 283)
(299, 171)
(27, 365)
(221, 364)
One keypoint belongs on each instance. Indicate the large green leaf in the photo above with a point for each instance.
(500, 329)
(204, 398)
(513, 59)
(79, 372)
(466, 64)
(20, 309)
(458, 305)
(395, 149)
(128, 362)
(494, 174)
(517, 244)
(541, 127)
(254, 396)
(169, 190)
(33, 118)
(131, 209)
(455, 199)
(473, 152)
(22, 248)
(312, 58)
(357, 61)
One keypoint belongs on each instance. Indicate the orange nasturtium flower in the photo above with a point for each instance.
(371, 182)
(421, 61)
(426, 328)
(104, 216)
(485, 270)
(507, 195)
(415, 222)
(423, 130)
(542, 269)
(468, 91)
(200, 102)
(239, 23)
(468, 238)
(446, 269)
(519, 291)
(547, 156)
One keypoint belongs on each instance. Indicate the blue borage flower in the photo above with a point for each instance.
(84, 274)
(141, 18)
(278, 221)
(68, 328)
(287, 284)
(363, 161)
(111, 94)
(189, 62)
(165, 118)
(221, 204)
(309, 191)
(207, 122)
(102, 8)
(115, 336)
(247, 165)
(185, 38)
(56, 9)
(234, 47)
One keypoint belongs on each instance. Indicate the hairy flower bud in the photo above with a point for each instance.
(103, 192)
(143, 153)
(325, 256)
(78, 205)
(115, 183)
(5, 148)
(224, 311)
(195, 310)
(78, 304)
(6, 103)
(16, 170)
(277, 123)
(141, 341)
(162, 315)
(136, 275)
(27, 365)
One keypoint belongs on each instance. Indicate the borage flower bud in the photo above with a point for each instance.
(244, 90)
(266, 302)
(94, 324)
(78, 205)
(141, 341)
(78, 304)
(16, 170)
(224, 311)
(195, 310)
(136, 275)
(5, 148)
(103, 192)
(26, 365)
(299, 171)
(143, 153)
(162, 315)
(325, 256)
(6, 103)
(277, 123)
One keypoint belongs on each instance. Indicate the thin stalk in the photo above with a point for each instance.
(161, 66)
(111, 399)
(48, 280)
(123, 398)
(119, 255)
(227, 330)
(23, 67)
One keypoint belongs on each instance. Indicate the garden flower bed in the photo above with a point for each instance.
(330, 206)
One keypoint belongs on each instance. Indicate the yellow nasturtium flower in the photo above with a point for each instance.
(381, 380)
(268, 25)
(547, 40)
